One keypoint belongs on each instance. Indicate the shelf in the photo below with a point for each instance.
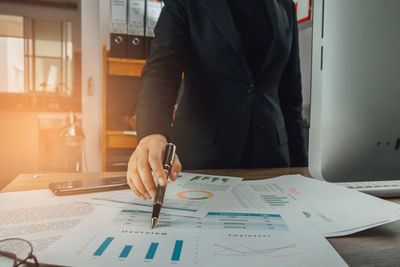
(121, 141)
(130, 133)
(125, 66)
(117, 145)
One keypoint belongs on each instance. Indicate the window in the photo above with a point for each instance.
(39, 70)
(11, 54)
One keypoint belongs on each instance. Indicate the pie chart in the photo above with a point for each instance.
(194, 195)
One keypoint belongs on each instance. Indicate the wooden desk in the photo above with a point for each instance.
(379, 246)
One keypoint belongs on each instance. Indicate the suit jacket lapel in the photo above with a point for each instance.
(219, 12)
(279, 24)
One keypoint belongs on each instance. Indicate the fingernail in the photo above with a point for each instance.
(147, 195)
(175, 174)
(152, 193)
(161, 181)
(142, 197)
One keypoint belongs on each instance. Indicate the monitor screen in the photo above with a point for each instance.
(355, 92)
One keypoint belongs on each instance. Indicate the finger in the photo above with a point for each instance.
(176, 168)
(146, 178)
(137, 182)
(155, 155)
(130, 175)
(134, 189)
(131, 166)
(134, 174)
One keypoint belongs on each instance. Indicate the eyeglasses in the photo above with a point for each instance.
(16, 251)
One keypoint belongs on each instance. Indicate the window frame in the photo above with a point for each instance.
(34, 100)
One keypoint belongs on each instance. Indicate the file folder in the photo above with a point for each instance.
(153, 10)
(118, 28)
(136, 23)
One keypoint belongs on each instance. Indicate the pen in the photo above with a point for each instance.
(159, 198)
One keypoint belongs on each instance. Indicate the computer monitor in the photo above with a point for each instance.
(355, 92)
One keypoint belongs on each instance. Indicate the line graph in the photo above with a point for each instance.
(245, 250)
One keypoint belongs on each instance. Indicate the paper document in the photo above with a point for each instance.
(108, 237)
(334, 210)
(39, 216)
(190, 195)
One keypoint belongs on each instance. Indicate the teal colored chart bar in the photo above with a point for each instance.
(125, 251)
(152, 251)
(103, 246)
(176, 254)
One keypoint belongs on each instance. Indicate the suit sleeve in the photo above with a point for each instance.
(161, 76)
(291, 100)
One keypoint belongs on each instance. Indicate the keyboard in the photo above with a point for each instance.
(385, 189)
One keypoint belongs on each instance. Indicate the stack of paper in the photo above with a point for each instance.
(333, 209)
(206, 221)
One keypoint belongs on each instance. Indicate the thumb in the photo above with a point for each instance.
(161, 178)
(156, 165)
(176, 168)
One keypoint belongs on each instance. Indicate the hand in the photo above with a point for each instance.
(147, 158)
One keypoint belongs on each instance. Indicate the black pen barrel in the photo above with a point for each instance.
(159, 198)
(156, 211)
(169, 154)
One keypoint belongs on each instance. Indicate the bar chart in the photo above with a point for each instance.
(271, 194)
(210, 179)
(149, 255)
(275, 201)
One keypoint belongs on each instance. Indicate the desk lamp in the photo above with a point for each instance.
(71, 135)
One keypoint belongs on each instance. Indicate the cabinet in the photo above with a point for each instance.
(121, 85)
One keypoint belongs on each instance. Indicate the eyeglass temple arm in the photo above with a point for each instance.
(8, 255)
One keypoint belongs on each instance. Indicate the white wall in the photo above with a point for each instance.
(19, 143)
(92, 70)
(95, 32)
(105, 22)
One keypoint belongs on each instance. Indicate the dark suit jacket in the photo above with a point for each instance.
(223, 102)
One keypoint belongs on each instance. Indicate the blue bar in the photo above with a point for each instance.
(152, 251)
(135, 211)
(125, 251)
(176, 255)
(242, 214)
(103, 246)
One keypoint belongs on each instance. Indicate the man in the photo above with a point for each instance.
(241, 105)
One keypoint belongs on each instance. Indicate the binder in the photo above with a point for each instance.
(118, 28)
(153, 10)
(136, 22)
